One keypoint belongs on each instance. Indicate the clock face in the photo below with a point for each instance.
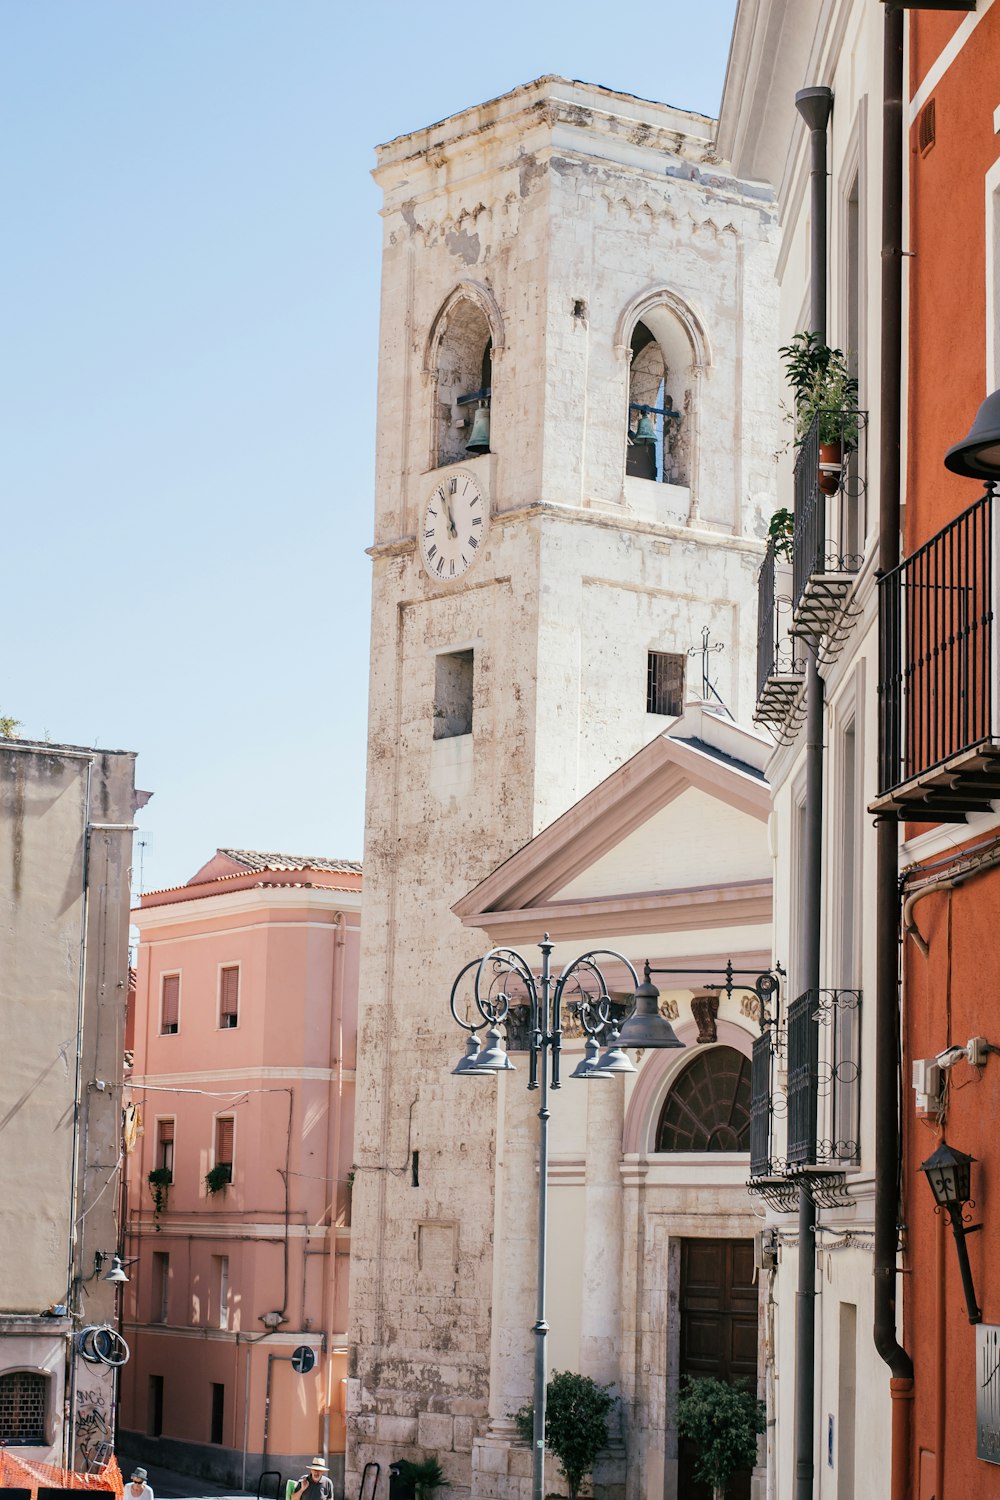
(454, 526)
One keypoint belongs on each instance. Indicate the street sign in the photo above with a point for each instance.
(303, 1359)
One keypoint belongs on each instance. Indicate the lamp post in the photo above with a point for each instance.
(496, 974)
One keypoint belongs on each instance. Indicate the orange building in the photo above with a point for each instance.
(238, 1189)
(942, 751)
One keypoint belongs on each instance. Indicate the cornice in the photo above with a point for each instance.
(274, 900)
(698, 908)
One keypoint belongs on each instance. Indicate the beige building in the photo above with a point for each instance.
(65, 856)
(577, 271)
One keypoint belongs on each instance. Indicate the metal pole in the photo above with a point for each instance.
(541, 1327)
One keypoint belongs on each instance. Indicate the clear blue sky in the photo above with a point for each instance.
(189, 268)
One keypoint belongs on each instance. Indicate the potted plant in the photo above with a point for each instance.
(417, 1479)
(723, 1421)
(576, 1423)
(159, 1180)
(218, 1177)
(781, 531)
(823, 387)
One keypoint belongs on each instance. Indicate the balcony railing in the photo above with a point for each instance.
(830, 522)
(939, 756)
(824, 1078)
(779, 667)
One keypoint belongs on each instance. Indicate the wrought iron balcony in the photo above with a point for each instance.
(779, 667)
(939, 751)
(824, 1081)
(828, 545)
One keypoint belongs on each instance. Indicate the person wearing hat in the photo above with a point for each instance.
(138, 1488)
(316, 1485)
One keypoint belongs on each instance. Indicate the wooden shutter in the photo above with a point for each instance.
(224, 1142)
(229, 990)
(170, 1006)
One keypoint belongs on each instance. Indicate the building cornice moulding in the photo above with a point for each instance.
(275, 899)
(150, 1082)
(698, 908)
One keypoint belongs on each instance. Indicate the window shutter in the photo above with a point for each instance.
(223, 1142)
(229, 996)
(166, 1132)
(170, 1009)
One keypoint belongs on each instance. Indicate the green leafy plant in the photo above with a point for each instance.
(723, 1421)
(576, 1423)
(218, 1177)
(781, 531)
(821, 382)
(159, 1180)
(8, 727)
(424, 1476)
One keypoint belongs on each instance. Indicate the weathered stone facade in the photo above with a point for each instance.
(552, 222)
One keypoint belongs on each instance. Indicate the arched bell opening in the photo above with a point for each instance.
(463, 383)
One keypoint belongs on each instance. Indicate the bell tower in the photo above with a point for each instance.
(574, 481)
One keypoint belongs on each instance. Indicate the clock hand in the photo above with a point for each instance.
(451, 523)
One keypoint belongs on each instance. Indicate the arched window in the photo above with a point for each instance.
(708, 1108)
(464, 382)
(668, 354)
(652, 419)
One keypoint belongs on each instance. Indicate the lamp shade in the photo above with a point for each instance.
(977, 456)
(645, 1027)
(587, 1065)
(614, 1060)
(484, 1061)
(117, 1272)
(949, 1173)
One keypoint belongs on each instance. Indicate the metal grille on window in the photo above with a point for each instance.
(760, 1107)
(229, 988)
(803, 1065)
(170, 1007)
(22, 1408)
(665, 683)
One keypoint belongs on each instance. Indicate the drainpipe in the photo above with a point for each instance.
(814, 105)
(887, 1021)
(335, 1105)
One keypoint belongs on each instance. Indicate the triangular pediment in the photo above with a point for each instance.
(681, 816)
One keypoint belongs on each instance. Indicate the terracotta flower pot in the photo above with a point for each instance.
(831, 465)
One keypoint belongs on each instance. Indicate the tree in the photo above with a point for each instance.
(576, 1423)
(724, 1422)
(8, 727)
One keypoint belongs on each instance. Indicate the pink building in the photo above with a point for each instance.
(238, 1188)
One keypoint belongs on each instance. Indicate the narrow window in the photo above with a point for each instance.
(170, 1002)
(218, 1412)
(154, 1415)
(160, 1300)
(224, 1143)
(220, 1268)
(22, 1407)
(229, 996)
(453, 679)
(927, 127)
(165, 1146)
(415, 1169)
(665, 683)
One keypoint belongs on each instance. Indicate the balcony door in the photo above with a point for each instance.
(718, 1333)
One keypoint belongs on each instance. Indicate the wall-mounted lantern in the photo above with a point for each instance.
(977, 456)
(949, 1174)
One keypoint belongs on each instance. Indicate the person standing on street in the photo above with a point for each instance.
(138, 1488)
(316, 1485)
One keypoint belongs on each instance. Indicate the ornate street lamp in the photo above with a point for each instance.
(504, 977)
(949, 1174)
(977, 456)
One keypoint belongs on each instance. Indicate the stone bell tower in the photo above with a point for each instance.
(573, 482)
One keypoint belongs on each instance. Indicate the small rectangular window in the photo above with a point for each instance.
(160, 1301)
(218, 1412)
(224, 1141)
(927, 127)
(665, 683)
(165, 1146)
(154, 1416)
(220, 1268)
(453, 678)
(229, 993)
(170, 1004)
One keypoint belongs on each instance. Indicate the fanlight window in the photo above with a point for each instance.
(464, 384)
(708, 1108)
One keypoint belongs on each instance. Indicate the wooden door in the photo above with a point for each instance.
(718, 1306)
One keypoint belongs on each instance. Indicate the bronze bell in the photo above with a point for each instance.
(479, 439)
(646, 430)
